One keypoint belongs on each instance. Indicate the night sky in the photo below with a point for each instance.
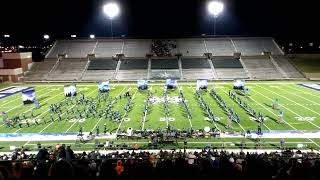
(160, 18)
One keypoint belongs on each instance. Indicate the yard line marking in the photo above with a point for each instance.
(145, 114)
(22, 104)
(104, 113)
(295, 103)
(193, 88)
(290, 100)
(125, 113)
(71, 108)
(144, 119)
(314, 142)
(15, 99)
(246, 112)
(285, 108)
(188, 116)
(249, 115)
(270, 111)
(61, 114)
(301, 97)
(37, 115)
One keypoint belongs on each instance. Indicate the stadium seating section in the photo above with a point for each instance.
(165, 74)
(220, 47)
(260, 58)
(103, 64)
(98, 75)
(128, 64)
(40, 70)
(136, 48)
(164, 64)
(68, 70)
(287, 67)
(261, 67)
(191, 63)
(256, 46)
(226, 62)
(109, 49)
(191, 47)
(72, 49)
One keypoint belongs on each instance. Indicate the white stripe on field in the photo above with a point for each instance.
(15, 99)
(290, 109)
(125, 113)
(71, 108)
(22, 104)
(102, 115)
(300, 96)
(246, 111)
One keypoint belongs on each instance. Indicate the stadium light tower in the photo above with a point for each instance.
(215, 8)
(111, 10)
(46, 37)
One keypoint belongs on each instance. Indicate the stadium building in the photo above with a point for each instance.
(154, 59)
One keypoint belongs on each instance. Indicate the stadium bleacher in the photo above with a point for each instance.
(256, 46)
(98, 75)
(254, 62)
(226, 62)
(72, 48)
(103, 64)
(228, 67)
(231, 73)
(261, 67)
(68, 70)
(136, 48)
(133, 69)
(191, 47)
(163, 68)
(287, 67)
(100, 69)
(220, 47)
(164, 63)
(40, 70)
(191, 63)
(108, 48)
(128, 64)
(196, 68)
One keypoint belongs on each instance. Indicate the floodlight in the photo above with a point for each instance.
(46, 36)
(215, 8)
(92, 36)
(6, 35)
(111, 10)
(73, 36)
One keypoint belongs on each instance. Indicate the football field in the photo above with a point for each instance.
(300, 106)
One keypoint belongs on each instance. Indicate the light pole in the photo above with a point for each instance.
(111, 10)
(215, 8)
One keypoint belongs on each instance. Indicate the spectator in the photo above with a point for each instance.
(119, 168)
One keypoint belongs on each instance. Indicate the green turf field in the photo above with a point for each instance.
(301, 108)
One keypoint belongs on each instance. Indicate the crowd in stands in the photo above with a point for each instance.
(204, 164)
(162, 48)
